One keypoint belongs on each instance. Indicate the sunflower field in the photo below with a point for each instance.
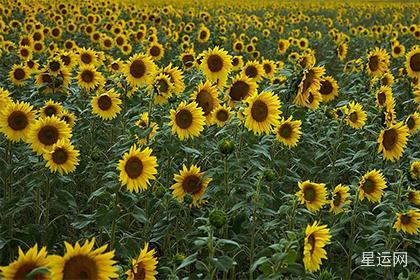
(207, 139)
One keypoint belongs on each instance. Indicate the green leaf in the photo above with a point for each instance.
(258, 262)
(187, 261)
(39, 271)
(224, 263)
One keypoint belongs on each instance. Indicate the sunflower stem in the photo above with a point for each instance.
(114, 222)
(352, 230)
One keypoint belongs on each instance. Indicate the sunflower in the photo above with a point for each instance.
(355, 115)
(163, 88)
(392, 141)
(82, 262)
(68, 117)
(413, 122)
(384, 96)
(316, 237)
(18, 74)
(45, 132)
(339, 198)
(262, 113)
(62, 157)
(25, 264)
(412, 63)
(378, 62)
(137, 168)
(206, 97)
(16, 120)
(156, 51)
(139, 69)
(216, 64)
(289, 131)
(342, 51)
(176, 76)
(413, 196)
(203, 34)
(89, 78)
(269, 67)
(314, 195)
(328, 89)
(397, 50)
(50, 108)
(408, 222)
(54, 66)
(87, 57)
(190, 181)
(187, 120)
(144, 123)
(5, 98)
(241, 87)
(310, 83)
(144, 267)
(282, 46)
(371, 186)
(221, 115)
(253, 70)
(107, 105)
(387, 79)
(187, 58)
(237, 63)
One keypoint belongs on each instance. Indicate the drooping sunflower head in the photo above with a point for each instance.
(308, 92)
(412, 63)
(339, 198)
(19, 74)
(328, 89)
(413, 196)
(392, 141)
(144, 267)
(50, 108)
(289, 132)
(83, 262)
(107, 104)
(355, 116)
(137, 168)
(89, 78)
(316, 237)
(216, 64)
(206, 97)
(139, 70)
(25, 264)
(262, 113)
(16, 120)
(190, 181)
(314, 195)
(342, 51)
(241, 87)
(408, 222)
(45, 132)
(413, 122)
(187, 120)
(371, 186)
(377, 62)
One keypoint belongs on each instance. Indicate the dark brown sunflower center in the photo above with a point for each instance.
(397, 50)
(66, 59)
(411, 123)
(381, 98)
(251, 71)
(415, 62)
(25, 269)
(312, 240)
(137, 69)
(141, 272)
(405, 219)
(17, 120)
(87, 76)
(309, 193)
(54, 66)
(133, 167)
(222, 115)
(50, 111)
(326, 87)
(48, 135)
(205, 100)
(104, 102)
(390, 138)
(24, 52)
(384, 81)
(120, 41)
(191, 184)
(19, 74)
(259, 111)
(60, 156)
(239, 90)
(215, 63)
(307, 82)
(115, 66)
(285, 131)
(188, 58)
(86, 58)
(374, 63)
(337, 199)
(368, 186)
(155, 51)
(203, 35)
(80, 267)
(353, 117)
(184, 119)
(235, 61)
(267, 68)
(162, 86)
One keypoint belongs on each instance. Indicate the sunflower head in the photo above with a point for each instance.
(371, 186)
(392, 141)
(289, 132)
(316, 237)
(408, 222)
(16, 120)
(339, 198)
(314, 195)
(187, 120)
(144, 267)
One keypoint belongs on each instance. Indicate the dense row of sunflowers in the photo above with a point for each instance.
(226, 140)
